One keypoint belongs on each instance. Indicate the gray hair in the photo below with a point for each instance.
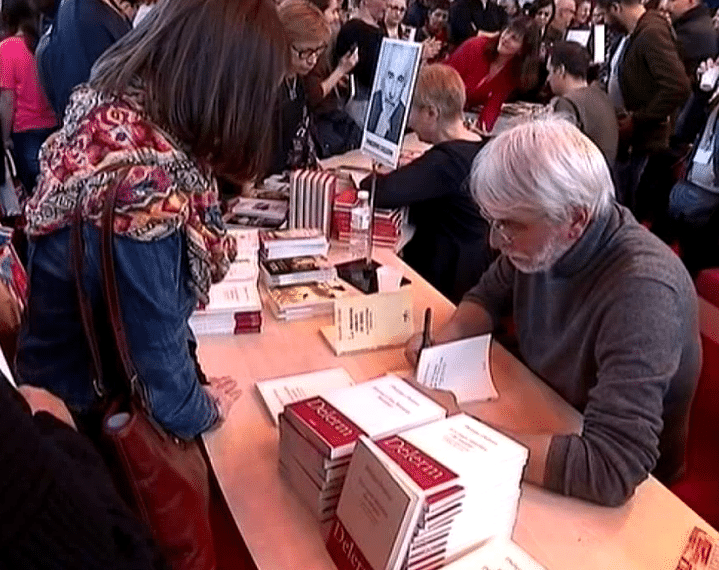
(545, 166)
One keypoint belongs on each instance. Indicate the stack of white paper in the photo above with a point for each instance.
(317, 435)
(413, 500)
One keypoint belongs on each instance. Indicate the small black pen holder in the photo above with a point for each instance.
(360, 274)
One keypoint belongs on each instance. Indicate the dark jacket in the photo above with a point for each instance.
(653, 81)
(696, 36)
(467, 17)
(395, 120)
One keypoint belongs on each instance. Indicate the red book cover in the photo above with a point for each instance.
(423, 469)
(343, 550)
(319, 421)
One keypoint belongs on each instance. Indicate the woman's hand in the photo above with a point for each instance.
(41, 400)
(348, 61)
(224, 392)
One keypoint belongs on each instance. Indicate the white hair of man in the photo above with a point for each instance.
(544, 166)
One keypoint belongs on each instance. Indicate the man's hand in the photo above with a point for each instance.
(411, 349)
(41, 400)
(224, 392)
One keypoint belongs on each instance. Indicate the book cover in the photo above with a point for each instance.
(276, 393)
(275, 210)
(310, 457)
(334, 421)
(461, 366)
(372, 321)
(375, 513)
(318, 295)
(497, 554)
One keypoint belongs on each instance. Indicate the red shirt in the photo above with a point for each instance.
(472, 60)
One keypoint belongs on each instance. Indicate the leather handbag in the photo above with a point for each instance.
(164, 478)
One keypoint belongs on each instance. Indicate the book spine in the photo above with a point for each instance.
(344, 551)
(423, 469)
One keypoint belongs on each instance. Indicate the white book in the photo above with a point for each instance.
(497, 554)
(376, 513)
(232, 296)
(278, 392)
(460, 366)
(334, 421)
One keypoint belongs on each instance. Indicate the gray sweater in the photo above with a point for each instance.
(612, 327)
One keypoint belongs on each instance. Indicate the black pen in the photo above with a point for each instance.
(426, 341)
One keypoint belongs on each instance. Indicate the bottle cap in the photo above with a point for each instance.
(363, 194)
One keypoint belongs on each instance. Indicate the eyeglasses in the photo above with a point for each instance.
(310, 53)
(398, 9)
(499, 226)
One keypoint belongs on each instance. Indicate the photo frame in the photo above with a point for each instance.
(390, 100)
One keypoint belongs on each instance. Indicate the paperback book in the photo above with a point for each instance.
(414, 499)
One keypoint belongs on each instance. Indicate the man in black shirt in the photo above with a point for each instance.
(467, 17)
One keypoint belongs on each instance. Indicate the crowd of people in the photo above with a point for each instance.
(561, 224)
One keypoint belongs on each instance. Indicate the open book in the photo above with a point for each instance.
(461, 366)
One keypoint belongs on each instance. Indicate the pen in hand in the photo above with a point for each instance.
(426, 340)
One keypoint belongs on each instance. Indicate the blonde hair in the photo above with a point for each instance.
(303, 21)
(441, 86)
(545, 166)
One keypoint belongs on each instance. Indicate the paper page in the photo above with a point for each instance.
(279, 392)
(371, 321)
(461, 367)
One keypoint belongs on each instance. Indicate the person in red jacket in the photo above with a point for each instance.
(492, 67)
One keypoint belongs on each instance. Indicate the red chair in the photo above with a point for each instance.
(699, 487)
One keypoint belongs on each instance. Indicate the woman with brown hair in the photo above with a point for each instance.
(167, 109)
(493, 67)
(309, 34)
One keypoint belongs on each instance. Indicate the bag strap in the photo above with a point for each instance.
(88, 324)
(110, 294)
(112, 297)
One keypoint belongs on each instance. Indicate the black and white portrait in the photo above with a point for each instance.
(391, 97)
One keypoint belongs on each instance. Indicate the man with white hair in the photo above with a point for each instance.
(604, 312)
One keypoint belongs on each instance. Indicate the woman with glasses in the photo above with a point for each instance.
(308, 34)
(494, 67)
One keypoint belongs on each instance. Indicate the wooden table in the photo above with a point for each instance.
(649, 532)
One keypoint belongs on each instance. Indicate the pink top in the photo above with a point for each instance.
(18, 73)
(472, 60)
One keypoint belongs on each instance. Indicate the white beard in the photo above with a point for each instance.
(552, 251)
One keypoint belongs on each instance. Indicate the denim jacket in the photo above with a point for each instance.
(156, 301)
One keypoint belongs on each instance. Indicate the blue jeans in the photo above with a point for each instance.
(156, 303)
(25, 152)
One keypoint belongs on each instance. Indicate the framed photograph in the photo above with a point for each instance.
(390, 100)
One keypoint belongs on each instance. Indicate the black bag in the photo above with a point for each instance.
(336, 133)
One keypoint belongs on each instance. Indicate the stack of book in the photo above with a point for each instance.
(387, 222)
(282, 244)
(256, 212)
(318, 435)
(311, 197)
(417, 498)
(296, 270)
(234, 306)
(292, 302)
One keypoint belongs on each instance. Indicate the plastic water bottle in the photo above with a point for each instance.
(359, 225)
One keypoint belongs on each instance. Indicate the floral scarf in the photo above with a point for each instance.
(107, 140)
